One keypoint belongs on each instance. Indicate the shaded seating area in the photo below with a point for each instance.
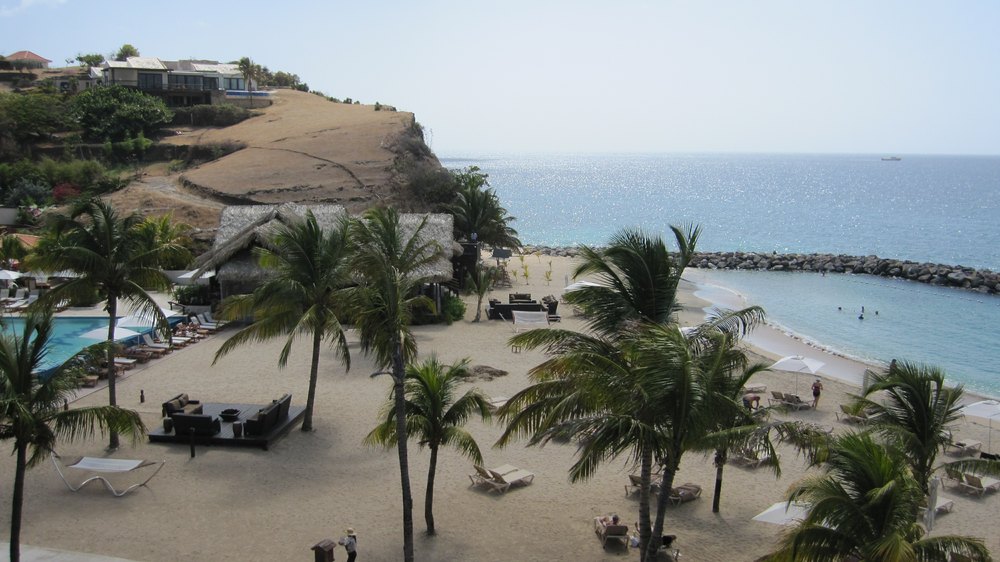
(501, 478)
(80, 471)
(209, 423)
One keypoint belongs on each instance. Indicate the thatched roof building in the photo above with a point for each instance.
(244, 226)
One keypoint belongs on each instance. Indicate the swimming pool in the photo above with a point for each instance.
(66, 340)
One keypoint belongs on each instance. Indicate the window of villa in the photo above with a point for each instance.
(233, 83)
(150, 81)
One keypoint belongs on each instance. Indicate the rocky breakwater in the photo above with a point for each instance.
(980, 280)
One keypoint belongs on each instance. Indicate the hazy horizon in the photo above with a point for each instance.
(777, 76)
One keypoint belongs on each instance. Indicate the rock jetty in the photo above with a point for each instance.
(979, 280)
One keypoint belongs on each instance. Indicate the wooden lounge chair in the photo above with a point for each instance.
(684, 493)
(793, 401)
(608, 531)
(848, 416)
(635, 483)
(776, 398)
(484, 477)
(90, 469)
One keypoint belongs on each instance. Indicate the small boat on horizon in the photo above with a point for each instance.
(891, 158)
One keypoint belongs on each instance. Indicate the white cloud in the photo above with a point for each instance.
(7, 11)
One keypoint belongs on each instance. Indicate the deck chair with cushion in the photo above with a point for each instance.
(524, 320)
(607, 531)
(776, 398)
(793, 401)
(847, 415)
(684, 493)
(635, 483)
(749, 458)
(517, 476)
(84, 470)
(484, 477)
(980, 484)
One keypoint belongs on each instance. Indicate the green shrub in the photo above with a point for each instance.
(117, 113)
(222, 115)
(197, 295)
(452, 308)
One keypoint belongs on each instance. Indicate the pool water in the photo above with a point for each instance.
(66, 340)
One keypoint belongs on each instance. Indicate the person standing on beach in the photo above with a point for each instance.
(350, 542)
(817, 389)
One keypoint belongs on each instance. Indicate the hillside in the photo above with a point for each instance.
(302, 148)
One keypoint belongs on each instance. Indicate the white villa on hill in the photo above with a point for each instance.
(184, 82)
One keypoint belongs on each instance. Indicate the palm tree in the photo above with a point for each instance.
(435, 417)
(481, 279)
(863, 508)
(112, 259)
(390, 262)
(303, 296)
(914, 413)
(639, 278)
(478, 212)
(31, 408)
(164, 232)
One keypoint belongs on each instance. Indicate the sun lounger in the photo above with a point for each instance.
(90, 469)
(749, 458)
(965, 448)
(518, 476)
(980, 484)
(635, 483)
(150, 344)
(607, 531)
(684, 493)
(793, 401)
(776, 398)
(125, 362)
(845, 415)
(524, 320)
(484, 477)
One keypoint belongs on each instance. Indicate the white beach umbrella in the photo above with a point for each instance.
(8, 275)
(797, 364)
(190, 275)
(580, 285)
(931, 510)
(783, 513)
(102, 333)
(987, 410)
(143, 321)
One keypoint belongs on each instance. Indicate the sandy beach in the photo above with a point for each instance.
(233, 503)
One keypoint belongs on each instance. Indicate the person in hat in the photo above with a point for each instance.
(817, 389)
(350, 542)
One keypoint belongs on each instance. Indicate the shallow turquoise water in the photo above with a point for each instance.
(65, 341)
(953, 329)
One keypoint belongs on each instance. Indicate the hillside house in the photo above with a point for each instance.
(181, 83)
(27, 59)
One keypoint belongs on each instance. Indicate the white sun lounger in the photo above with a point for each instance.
(94, 468)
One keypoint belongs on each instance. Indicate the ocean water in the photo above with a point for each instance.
(941, 209)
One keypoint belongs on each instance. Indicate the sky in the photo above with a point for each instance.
(765, 76)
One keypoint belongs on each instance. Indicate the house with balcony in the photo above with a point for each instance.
(181, 83)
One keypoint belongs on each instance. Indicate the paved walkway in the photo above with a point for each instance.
(39, 554)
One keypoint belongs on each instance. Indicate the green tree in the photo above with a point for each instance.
(31, 409)
(435, 417)
(11, 250)
(91, 60)
(32, 117)
(125, 52)
(303, 296)
(109, 256)
(481, 282)
(389, 261)
(250, 72)
(863, 508)
(913, 412)
(164, 232)
(117, 113)
(478, 211)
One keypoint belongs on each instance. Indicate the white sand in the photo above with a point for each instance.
(233, 503)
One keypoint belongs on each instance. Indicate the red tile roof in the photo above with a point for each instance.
(26, 55)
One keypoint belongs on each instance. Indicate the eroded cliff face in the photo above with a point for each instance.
(301, 149)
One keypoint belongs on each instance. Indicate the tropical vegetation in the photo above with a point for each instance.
(479, 216)
(31, 409)
(112, 260)
(303, 295)
(436, 415)
(389, 257)
(864, 508)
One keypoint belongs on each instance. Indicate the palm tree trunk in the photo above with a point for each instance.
(720, 463)
(307, 420)
(429, 495)
(479, 308)
(18, 501)
(398, 374)
(661, 512)
(112, 395)
(645, 475)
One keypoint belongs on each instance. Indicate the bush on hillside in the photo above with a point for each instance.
(117, 113)
(210, 115)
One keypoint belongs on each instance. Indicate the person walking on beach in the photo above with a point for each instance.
(817, 389)
(350, 542)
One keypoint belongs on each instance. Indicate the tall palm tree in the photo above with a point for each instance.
(863, 508)
(390, 260)
(435, 416)
(163, 231)
(31, 408)
(914, 412)
(479, 215)
(111, 259)
(303, 296)
(481, 280)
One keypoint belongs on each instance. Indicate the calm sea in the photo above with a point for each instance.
(940, 209)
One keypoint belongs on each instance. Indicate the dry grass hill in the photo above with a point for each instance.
(303, 148)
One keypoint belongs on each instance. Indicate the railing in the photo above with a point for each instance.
(162, 87)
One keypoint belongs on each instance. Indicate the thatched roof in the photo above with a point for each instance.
(243, 226)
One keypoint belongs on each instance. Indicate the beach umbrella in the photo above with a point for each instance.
(102, 333)
(932, 504)
(580, 285)
(783, 513)
(190, 275)
(985, 409)
(8, 275)
(797, 364)
(144, 321)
